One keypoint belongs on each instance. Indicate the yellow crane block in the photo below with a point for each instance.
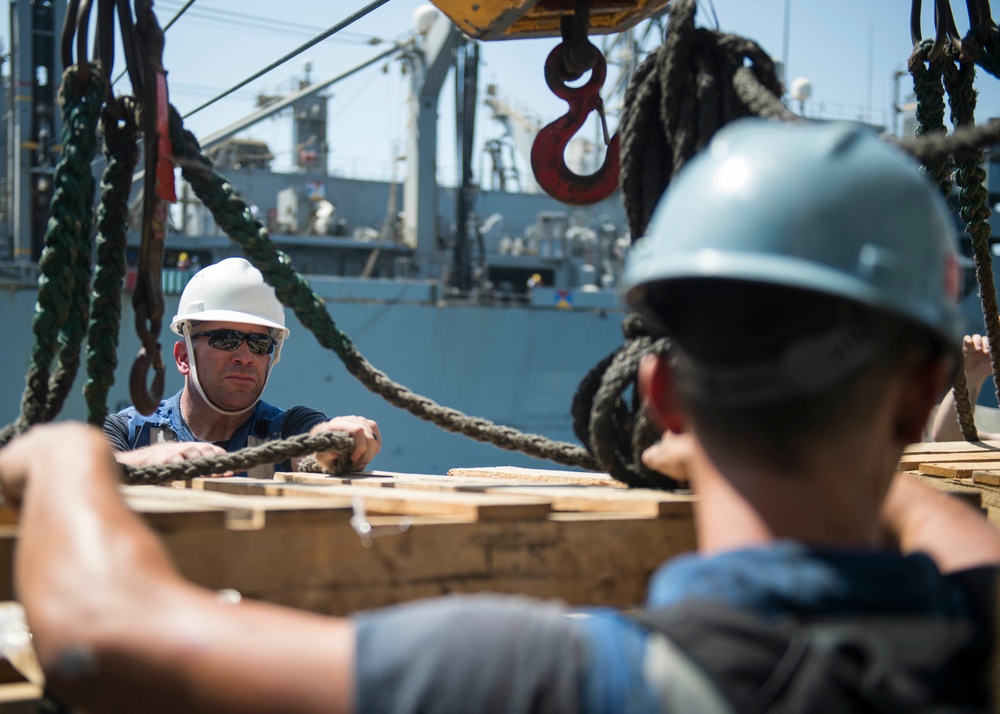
(516, 19)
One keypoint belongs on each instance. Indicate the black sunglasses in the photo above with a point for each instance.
(230, 340)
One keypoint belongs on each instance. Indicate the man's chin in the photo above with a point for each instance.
(237, 402)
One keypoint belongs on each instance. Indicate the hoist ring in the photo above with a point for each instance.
(557, 83)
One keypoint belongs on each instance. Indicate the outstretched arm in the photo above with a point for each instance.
(924, 519)
(169, 452)
(114, 624)
(976, 355)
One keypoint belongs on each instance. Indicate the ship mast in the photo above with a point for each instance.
(34, 126)
(428, 66)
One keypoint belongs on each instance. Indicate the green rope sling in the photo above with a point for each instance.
(61, 312)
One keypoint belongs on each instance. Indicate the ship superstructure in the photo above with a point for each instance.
(494, 302)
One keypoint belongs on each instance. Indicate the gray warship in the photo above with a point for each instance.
(494, 301)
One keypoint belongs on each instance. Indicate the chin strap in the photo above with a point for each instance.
(186, 330)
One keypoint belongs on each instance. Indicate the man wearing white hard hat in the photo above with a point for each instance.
(233, 329)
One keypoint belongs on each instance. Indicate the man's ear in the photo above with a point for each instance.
(181, 358)
(657, 390)
(925, 383)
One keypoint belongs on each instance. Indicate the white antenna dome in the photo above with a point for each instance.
(423, 18)
(801, 89)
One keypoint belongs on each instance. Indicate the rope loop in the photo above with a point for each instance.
(614, 425)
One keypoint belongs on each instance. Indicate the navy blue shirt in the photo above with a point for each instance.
(128, 429)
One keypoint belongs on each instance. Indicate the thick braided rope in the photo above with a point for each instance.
(61, 267)
(611, 423)
(271, 452)
(72, 333)
(681, 95)
(122, 154)
(985, 55)
(963, 408)
(583, 399)
(234, 217)
(615, 431)
(930, 92)
(936, 148)
(973, 198)
(684, 92)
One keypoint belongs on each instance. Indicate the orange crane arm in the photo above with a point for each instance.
(510, 19)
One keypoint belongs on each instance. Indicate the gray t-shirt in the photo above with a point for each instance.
(485, 654)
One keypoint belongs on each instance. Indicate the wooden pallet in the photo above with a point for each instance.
(336, 545)
(971, 470)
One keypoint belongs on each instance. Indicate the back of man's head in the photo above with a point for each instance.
(792, 265)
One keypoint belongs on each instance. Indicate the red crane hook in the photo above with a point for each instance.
(548, 159)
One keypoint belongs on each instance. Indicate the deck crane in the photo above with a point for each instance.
(521, 129)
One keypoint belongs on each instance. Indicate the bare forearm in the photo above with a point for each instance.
(925, 519)
(117, 629)
(193, 653)
(134, 457)
(80, 548)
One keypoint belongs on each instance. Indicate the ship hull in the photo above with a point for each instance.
(514, 364)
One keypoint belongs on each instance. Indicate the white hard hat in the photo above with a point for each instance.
(231, 290)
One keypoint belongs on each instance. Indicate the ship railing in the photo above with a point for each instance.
(18, 273)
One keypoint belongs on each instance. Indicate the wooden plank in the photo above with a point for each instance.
(314, 479)
(251, 512)
(986, 478)
(473, 506)
(162, 514)
(650, 503)
(562, 497)
(938, 447)
(957, 469)
(406, 502)
(257, 487)
(569, 478)
(591, 499)
(912, 461)
(20, 698)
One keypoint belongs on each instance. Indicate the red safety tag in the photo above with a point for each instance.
(165, 151)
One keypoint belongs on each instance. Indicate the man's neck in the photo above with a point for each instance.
(204, 422)
(831, 502)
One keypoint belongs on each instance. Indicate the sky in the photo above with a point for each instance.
(849, 51)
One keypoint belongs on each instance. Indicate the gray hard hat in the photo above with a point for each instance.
(829, 208)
